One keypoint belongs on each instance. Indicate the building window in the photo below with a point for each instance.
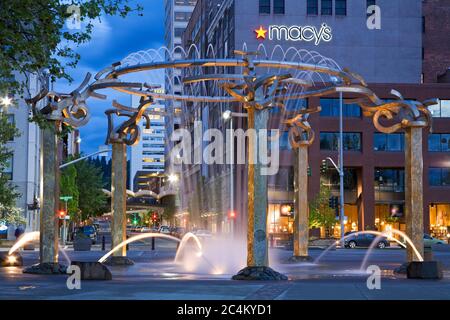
(341, 7)
(326, 8)
(330, 141)
(441, 109)
(332, 179)
(439, 177)
(264, 6)
(8, 169)
(439, 142)
(389, 142)
(312, 7)
(390, 180)
(278, 6)
(330, 108)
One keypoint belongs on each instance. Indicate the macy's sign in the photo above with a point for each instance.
(295, 33)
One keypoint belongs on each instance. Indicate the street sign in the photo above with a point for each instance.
(66, 198)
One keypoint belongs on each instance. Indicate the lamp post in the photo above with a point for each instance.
(341, 168)
(228, 116)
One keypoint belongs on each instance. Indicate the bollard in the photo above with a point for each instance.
(427, 253)
(103, 243)
(153, 243)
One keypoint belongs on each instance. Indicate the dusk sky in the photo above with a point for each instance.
(113, 39)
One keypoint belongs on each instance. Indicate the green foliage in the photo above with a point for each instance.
(33, 36)
(91, 199)
(11, 215)
(320, 214)
(169, 203)
(68, 187)
(8, 192)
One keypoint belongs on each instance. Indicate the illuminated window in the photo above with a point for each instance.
(264, 6)
(312, 7)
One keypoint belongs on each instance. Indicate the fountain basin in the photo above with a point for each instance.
(424, 270)
(295, 259)
(119, 261)
(93, 270)
(259, 273)
(46, 268)
(10, 260)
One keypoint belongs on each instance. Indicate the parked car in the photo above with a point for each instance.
(89, 231)
(365, 240)
(164, 229)
(429, 240)
(146, 230)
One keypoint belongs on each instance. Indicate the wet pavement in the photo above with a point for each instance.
(338, 275)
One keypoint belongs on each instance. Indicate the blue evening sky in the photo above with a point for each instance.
(113, 39)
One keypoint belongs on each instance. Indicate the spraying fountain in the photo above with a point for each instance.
(258, 81)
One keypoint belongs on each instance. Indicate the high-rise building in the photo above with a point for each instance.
(23, 169)
(402, 55)
(147, 157)
(177, 14)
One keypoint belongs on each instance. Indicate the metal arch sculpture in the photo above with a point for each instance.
(257, 93)
(300, 131)
(128, 132)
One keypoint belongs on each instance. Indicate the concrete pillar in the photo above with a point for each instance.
(414, 190)
(301, 220)
(119, 196)
(49, 194)
(257, 243)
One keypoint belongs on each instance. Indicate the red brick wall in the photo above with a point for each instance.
(436, 39)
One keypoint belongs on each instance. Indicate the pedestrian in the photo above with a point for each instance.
(19, 231)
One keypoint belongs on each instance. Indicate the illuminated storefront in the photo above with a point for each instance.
(440, 220)
(280, 220)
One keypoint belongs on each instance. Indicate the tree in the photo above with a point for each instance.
(33, 36)
(320, 214)
(91, 199)
(68, 187)
(8, 192)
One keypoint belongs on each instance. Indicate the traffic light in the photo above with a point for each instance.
(154, 217)
(331, 202)
(309, 171)
(61, 214)
(231, 214)
(324, 166)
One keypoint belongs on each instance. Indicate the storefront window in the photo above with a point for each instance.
(440, 220)
(280, 220)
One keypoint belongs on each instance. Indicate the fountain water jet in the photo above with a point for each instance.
(377, 233)
(136, 238)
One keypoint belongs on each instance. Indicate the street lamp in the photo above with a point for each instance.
(173, 178)
(228, 116)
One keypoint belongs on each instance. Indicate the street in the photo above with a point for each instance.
(336, 276)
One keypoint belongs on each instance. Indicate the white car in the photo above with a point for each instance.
(203, 233)
(146, 230)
